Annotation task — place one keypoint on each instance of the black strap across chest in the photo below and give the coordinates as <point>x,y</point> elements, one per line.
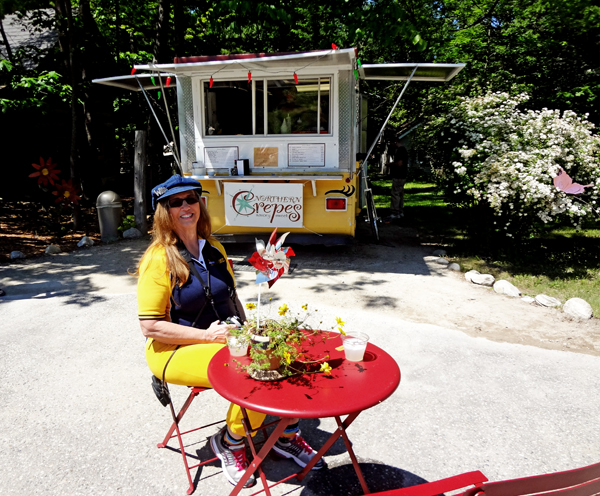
<point>208,257</point>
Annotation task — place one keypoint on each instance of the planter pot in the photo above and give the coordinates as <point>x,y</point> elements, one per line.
<point>261,342</point>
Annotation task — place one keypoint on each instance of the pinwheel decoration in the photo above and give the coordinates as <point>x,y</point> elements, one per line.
<point>271,261</point>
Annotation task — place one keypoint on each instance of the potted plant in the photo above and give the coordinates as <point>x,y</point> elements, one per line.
<point>277,346</point>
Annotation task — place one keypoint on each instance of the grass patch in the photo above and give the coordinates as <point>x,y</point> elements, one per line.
<point>564,264</point>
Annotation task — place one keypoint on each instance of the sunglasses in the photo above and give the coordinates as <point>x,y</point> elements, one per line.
<point>177,202</point>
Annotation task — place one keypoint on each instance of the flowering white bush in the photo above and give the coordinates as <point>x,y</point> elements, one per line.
<point>507,158</point>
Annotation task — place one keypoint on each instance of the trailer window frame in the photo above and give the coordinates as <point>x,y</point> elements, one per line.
<point>324,91</point>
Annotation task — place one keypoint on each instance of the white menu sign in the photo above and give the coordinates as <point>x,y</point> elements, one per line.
<point>263,205</point>
<point>220,157</point>
<point>306,154</point>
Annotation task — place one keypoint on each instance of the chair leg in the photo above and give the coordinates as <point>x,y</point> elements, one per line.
<point>178,434</point>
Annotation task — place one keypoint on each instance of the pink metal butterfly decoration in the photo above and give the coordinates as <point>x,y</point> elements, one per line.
<point>271,261</point>
<point>564,183</point>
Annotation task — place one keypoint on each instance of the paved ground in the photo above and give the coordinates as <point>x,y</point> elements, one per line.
<point>79,416</point>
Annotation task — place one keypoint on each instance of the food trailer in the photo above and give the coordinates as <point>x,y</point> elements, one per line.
<point>274,138</point>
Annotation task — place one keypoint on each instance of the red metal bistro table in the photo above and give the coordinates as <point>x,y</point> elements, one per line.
<point>351,388</point>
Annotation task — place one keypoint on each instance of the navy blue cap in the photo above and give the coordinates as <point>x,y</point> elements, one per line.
<point>175,184</point>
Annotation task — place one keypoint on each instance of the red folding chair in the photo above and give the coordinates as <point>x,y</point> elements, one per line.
<point>583,481</point>
<point>453,483</point>
<point>174,432</point>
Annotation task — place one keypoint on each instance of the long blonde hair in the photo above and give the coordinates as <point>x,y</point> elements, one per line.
<point>164,235</point>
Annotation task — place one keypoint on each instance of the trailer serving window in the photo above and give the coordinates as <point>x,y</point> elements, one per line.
<point>241,108</point>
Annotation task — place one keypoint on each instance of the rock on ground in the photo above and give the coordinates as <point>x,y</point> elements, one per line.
<point>52,250</point>
<point>132,233</point>
<point>547,301</point>
<point>85,241</point>
<point>578,308</point>
<point>483,279</point>
<point>15,255</point>
<point>505,287</point>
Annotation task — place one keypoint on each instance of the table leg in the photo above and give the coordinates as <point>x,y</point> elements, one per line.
<point>342,427</point>
<point>258,458</point>
<point>340,431</point>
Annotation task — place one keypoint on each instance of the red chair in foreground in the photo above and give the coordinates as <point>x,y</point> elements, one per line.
<point>583,481</point>
<point>174,432</point>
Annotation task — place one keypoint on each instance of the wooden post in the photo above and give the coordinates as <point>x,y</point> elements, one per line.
<point>139,186</point>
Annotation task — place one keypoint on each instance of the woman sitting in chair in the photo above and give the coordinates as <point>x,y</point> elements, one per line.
<point>183,265</point>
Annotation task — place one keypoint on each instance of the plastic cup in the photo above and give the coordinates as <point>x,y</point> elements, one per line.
<point>237,347</point>
<point>355,344</point>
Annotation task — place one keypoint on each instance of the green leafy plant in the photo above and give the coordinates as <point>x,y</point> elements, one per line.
<point>288,336</point>
<point>127,223</point>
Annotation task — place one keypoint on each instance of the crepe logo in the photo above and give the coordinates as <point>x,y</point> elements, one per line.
<point>247,203</point>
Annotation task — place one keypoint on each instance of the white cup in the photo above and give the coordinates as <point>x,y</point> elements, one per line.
<point>355,344</point>
<point>237,347</point>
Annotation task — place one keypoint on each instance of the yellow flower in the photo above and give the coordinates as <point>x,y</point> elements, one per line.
<point>341,331</point>
<point>325,368</point>
<point>250,306</point>
<point>305,307</point>
<point>283,309</point>
<point>339,322</point>
<point>288,357</point>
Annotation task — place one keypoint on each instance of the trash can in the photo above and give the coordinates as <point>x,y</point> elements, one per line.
<point>109,215</point>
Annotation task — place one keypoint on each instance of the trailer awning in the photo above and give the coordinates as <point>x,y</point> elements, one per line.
<point>148,81</point>
<point>295,61</point>
<point>401,72</point>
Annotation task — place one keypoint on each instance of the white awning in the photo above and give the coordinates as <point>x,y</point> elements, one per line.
<point>401,72</point>
<point>256,61</point>
<point>133,82</point>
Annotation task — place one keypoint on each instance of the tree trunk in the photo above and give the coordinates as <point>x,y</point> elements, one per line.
<point>161,47</point>
<point>179,22</point>
<point>139,186</point>
<point>66,43</point>
<point>6,43</point>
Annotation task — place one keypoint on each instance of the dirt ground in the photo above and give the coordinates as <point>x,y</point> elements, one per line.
<point>397,276</point>
<point>29,227</point>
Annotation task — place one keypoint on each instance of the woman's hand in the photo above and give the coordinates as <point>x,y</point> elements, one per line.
<point>218,333</point>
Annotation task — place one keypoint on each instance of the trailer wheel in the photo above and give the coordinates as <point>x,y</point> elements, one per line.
<point>372,213</point>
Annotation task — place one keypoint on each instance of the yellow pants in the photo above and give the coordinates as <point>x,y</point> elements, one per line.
<point>188,367</point>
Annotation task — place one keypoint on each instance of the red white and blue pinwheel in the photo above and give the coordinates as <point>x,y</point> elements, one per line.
<point>271,261</point>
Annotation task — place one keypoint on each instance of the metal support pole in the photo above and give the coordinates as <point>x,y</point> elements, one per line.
<point>159,125</point>
<point>389,115</point>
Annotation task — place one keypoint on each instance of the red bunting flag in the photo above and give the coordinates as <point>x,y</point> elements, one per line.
<point>210,82</point>
<point>168,81</point>
<point>249,76</point>
<point>296,77</point>
<point>133,69</point>
<point>334,46</point>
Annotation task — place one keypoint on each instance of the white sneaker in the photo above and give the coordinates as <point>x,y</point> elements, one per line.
<point>233,461</point>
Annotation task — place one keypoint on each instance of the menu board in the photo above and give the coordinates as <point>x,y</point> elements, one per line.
<point>266,156</point>
<point>306,154</point>
<point>220,157</point>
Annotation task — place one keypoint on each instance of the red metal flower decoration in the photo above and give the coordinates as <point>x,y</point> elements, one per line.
<point>66,193</point>
<point>46,172</point>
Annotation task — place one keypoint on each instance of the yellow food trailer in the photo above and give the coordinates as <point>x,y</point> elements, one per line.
<point>274,138</point>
